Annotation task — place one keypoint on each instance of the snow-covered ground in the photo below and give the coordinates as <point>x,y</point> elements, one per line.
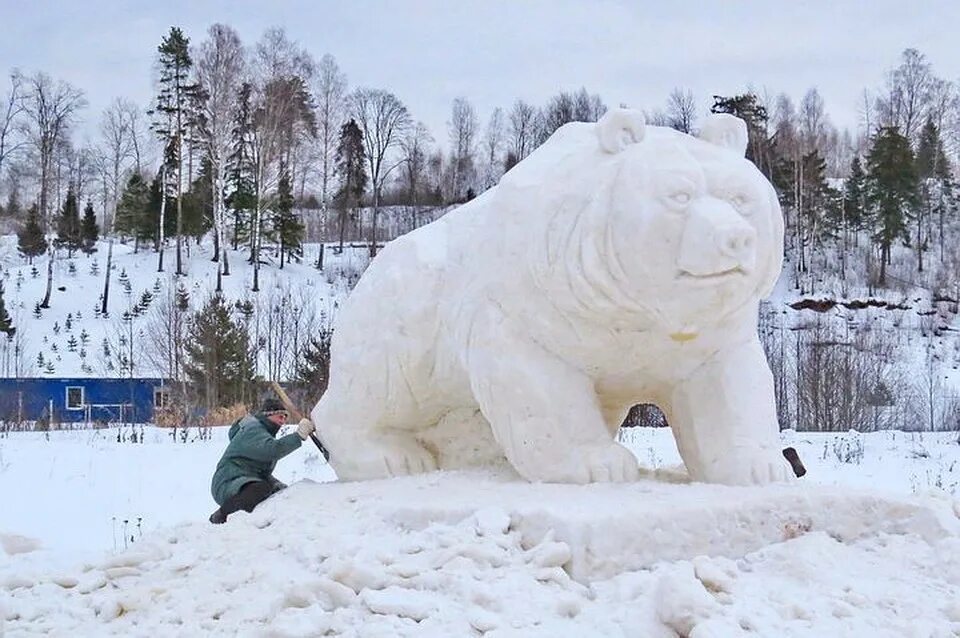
<point>108,537</point>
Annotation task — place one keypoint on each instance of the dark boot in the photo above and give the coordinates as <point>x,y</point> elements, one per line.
<point>249,496</point>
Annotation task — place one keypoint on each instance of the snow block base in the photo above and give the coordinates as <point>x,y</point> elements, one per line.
<point>612,529</point>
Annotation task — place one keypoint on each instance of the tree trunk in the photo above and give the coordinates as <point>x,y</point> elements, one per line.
<point>46,298</point>
<point>373,224</point>
<point>163,212</point>
<point>883,265</point>
<point>106,279</point>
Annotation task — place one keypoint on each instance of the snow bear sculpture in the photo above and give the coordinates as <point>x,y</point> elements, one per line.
<point>618,264</point>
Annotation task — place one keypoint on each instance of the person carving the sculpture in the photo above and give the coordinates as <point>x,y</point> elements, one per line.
<point>244,476</point>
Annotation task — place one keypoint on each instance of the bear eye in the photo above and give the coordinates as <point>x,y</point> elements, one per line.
<point>739,202</point>
<point>681,197</point>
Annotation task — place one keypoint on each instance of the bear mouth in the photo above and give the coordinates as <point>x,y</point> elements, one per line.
<point>724,275</point>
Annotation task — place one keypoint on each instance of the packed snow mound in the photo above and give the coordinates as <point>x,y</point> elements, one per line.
<point>476,553</point>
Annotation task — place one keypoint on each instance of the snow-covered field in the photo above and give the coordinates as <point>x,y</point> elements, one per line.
<point>102,537</point>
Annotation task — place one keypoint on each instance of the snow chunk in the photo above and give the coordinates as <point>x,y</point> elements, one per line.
<point>682,602</point>
<point>16,544</point>
<point>492,521</point>
<point>397,601</point>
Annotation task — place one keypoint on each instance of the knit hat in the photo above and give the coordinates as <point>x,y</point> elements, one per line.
<point>271,406</point>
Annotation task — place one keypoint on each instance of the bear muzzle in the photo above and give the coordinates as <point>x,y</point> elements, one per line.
<point>717,242</point>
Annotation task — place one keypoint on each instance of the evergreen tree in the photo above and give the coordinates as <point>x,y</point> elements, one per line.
<point>12,209</point>
<point>288,226</point>
<point>89,230</point>
<point>241,197</point>
<point>934,172</point>
<point>176,113</point>
<point>218,363</point>
<point>312,370</point>
<point>198,203</point>
<point>68,225</point>
<point>132,210</point>
<point>6,323</point>
<point>931,160</point>
<point>892,192</point>
<point>350,163</point>
<point>854,196</point>
<point>30,240</point>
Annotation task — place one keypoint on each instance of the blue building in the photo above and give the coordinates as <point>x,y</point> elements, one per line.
<point>81,400</point>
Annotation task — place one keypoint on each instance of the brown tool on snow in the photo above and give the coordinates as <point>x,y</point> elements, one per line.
<point>791,455</point>
<point>296,414</point>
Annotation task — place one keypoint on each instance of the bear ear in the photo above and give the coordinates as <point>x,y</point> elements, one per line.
<point>619,128</point>
<point>727,131</point>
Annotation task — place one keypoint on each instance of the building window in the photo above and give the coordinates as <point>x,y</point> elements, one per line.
<point>75,398</point>
<point>160,397</point>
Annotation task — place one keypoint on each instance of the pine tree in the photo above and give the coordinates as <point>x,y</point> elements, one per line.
<point>241,197</point>
<point>12,209</point>
<point>931,159</point>
<point>854,196</point>
<point>288,226</point>
<point>934,172</point>
<point>218,363</point>
<point>89,230</point>
<point>176,113</point>
<point>132,208</point>
<point>892,192</point>
<point>30,240</point>
<point>352,171</point>
<point>198,203</point>
<point>68,225</point>
<point>313,365</point>
<point>6,323</point>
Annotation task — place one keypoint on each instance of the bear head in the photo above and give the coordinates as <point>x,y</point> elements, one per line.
<point>694,229</point>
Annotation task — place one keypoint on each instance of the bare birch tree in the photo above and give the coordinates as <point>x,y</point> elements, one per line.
<point>11,108</point>
<point>462,131</point>
<point>219,69</point>
<point>523,119</point>
<point>329,92</point>
<point>114,151</point>
<point>682,110</point>
<point>907,94</point>
<point>282,120</point>
<point>493,142</point>
<point>383,119</point>
<point>50,108</point>
<point>415,147</point>
<point>812,121</point>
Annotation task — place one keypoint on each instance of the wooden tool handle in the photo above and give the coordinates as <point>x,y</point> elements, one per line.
<point>285,400</point>
<point>296,414</point>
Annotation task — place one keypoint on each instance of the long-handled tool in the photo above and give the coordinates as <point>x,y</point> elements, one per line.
<point>295,413</point>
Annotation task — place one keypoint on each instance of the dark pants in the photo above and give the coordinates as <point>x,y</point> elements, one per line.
<point>249,496</point>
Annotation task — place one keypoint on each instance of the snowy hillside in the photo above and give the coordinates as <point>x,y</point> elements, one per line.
<point>69,336</point>
<point>470,554</point>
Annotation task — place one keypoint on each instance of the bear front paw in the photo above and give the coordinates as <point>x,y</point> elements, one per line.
<point>388,459</point>
<point>611,463</point>
<point>748,466</point>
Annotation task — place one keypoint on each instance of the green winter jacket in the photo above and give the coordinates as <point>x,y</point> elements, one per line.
<point>251,455</point>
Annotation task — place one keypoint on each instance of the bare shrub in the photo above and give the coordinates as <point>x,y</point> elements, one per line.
<point>843,381</point>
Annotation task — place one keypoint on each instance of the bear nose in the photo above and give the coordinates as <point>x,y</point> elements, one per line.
<point>737,243</point>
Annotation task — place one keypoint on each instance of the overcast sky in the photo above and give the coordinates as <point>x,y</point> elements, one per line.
<point>428,52</point>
